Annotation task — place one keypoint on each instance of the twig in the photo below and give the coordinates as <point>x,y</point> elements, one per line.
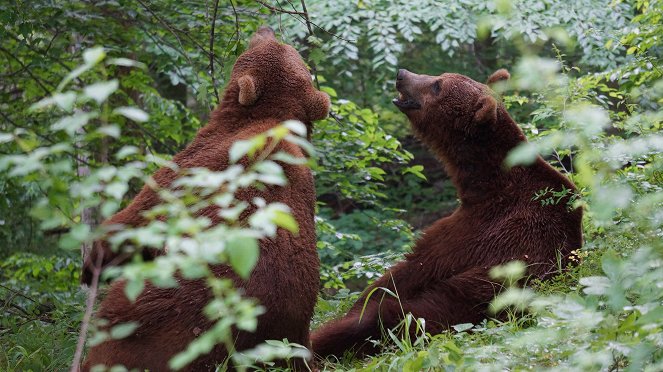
<point>236,33</point>
<point>311,34</point>
<point>211,51</point>
<point>158,41</point>
<point>24,313</point>
<point>19,293</point>
<point>559,161</point>
<point>43,53</point>
<point>174,31</point>
<point>280,10</point>
<point>41,85</point>
<point>140,128</point>
<point>321,28</point>
<point>91,297</point>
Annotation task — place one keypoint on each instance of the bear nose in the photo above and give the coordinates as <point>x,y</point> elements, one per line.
<point>401,74</point>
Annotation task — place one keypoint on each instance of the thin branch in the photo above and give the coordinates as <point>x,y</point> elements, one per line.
<point>159,40</point>
<point>41,85</point>
<point>307,21</point>
<point>91,297</point>
<point>280,10</point>
<point>175,31</point>
<point>236,32</point>
<point>21,311</point>
<point>19,293</point>
<point>311,34</point>
<point>42,53</point>
<point>321,28</point>
<point>211,51</point>
<point>164,23</point>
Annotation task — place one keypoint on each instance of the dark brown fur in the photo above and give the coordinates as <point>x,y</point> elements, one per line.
<point>445,279</point>
<point>286,278</point>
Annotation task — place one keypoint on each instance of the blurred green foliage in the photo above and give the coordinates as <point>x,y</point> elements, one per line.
<point>587,89</point>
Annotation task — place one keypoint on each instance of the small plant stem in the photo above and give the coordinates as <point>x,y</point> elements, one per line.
<point>91,297</point>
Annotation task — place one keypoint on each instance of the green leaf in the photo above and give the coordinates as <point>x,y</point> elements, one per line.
<point>239,149</point>
<point>132,113</point>
<point>243,252</point>
<point>126,151</point>
<point>288,159</point>
<point>463,327</point>
<point>376,173</point>
<point>611,264</point>
<point>123,330</point>
<point>296,127</point>
<point>65,100</point>
<point>416,170</point>
<point>110,130</point>
<point>303,143</point>
<point>247,147</point>
<point>286,221</point>
<point>511,271</point>
<point>595,285</point>
<point>117,190</point>
<point>100,91</point>
<point>126,62</point>
<point>524,154</point>
<point>332,93</point>
<point>133,288</point>
<point>91,57</point>
<point>71,124</point>
<point>94,55</point>
<point>80,232</point>
<point>6,137</point>
<point>73,75</point>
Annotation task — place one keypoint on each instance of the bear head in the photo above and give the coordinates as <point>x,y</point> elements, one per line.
<point>463,121</point>
<point>270,81</point>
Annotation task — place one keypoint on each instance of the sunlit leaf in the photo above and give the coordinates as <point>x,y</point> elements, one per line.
<point>133,288</point>
<point>243,253</point>
<point>94,55</point>
<point>100,91</point>
<point>123,330</point>
<point>286,221</point>
<point>132,113</point>
<point>523,154</point>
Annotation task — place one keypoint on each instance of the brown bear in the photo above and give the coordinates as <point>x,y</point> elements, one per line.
<point>269,84</point>
<point>445,279</point>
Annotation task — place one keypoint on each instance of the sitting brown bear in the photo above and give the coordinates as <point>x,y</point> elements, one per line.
<point>269,84</point>
<point>445,279</point>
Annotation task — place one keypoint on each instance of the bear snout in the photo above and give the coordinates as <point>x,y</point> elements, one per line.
<point>406,87</point>
<point>403,74</point>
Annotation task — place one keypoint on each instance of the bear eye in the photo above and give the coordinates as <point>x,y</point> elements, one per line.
<point>436,87</point>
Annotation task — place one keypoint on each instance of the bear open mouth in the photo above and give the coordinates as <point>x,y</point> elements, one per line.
<point>405,102</point>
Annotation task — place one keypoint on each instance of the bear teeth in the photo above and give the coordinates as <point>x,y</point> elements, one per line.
<point>401,97</point>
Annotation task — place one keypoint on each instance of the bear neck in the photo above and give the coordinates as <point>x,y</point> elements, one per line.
<point>479,175</point>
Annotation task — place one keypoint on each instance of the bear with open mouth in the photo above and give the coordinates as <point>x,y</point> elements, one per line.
<point>445,280</point>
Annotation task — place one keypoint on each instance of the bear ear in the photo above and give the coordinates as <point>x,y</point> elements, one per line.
<point>249,90</point>
<point>499,75</point>
<point>317,107</point>
<point>486,110</point>
<point>263,34</point>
